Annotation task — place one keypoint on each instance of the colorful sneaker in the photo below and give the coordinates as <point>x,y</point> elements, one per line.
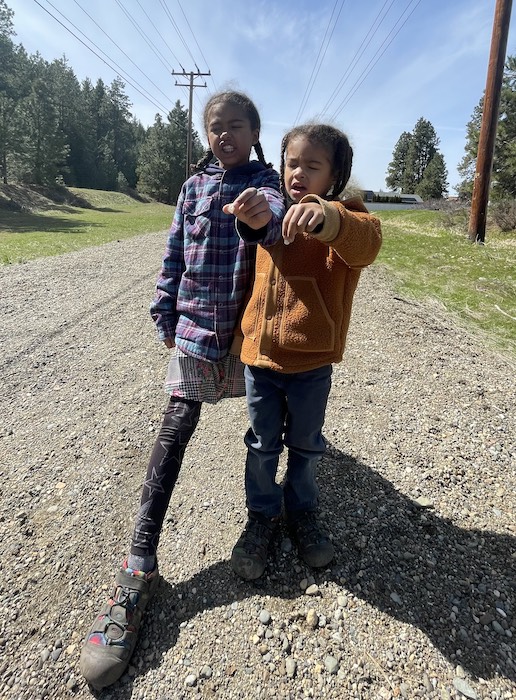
<point>112,637</point>
<point>249,556</point>
<point>313,545</point>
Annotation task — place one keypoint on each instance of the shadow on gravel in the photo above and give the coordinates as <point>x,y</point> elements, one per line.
<point>397,556</point>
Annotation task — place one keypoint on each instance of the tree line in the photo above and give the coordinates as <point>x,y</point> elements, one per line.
<point>54,128</point>
<point>417,166</point>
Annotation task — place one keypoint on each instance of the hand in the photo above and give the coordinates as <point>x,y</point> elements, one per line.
<point>301,217</point>
<point>251,207</point>
<point>169,343</point>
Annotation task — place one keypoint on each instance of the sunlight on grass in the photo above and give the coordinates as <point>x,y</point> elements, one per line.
<point>61,229</point>
<point>475,283</point>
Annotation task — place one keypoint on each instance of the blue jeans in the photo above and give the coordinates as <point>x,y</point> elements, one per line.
<point>284,410</point>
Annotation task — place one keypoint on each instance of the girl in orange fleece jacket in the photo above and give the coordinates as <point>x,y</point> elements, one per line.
<point>294,328</point>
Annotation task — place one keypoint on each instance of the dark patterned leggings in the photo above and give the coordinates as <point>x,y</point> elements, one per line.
<point>179,423</point>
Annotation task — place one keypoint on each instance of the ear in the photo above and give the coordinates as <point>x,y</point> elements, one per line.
<point>256,136</point>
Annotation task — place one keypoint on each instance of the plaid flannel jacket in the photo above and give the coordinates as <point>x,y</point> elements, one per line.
<point>207,268</point>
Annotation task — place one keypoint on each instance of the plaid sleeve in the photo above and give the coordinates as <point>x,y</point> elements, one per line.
<point>163,306</point>
<point>270,234</point>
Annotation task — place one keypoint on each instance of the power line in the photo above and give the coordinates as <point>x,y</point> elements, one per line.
<point>197,43</point>
<point>191,85</point>
<point>358,54</point>
<point>146,39</point>
<point>147,96</point>
<point>376,56</point>
<point>178,31</point>
<point>316,68</point>
<point>158,32</point>
<point>144,36</point>
<point>122,51</point>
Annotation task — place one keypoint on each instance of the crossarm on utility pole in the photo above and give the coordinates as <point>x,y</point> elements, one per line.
<point>191,85</point>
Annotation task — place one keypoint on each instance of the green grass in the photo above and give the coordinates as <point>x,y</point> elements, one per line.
<point>427,253</point>
<point>61,228</point>
<point>431,258</point>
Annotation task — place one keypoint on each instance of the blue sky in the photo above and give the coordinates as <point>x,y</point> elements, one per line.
<point>372,69</point>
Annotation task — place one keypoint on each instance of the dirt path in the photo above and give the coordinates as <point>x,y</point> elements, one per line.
<point>418,488</point>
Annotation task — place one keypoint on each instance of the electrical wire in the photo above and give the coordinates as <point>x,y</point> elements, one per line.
<point>147,96</point>
<point>144,36</point>
<point>318,63</point>
<point>122,51</point>
<point>158,33</point>
<point>178,31</point>
<point>376,56</point>
<point>197,43</point>
<point>358,55</point>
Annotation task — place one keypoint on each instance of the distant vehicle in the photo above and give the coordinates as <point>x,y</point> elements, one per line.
<point>410,199</point>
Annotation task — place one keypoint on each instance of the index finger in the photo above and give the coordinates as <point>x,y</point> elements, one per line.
<point>245,196</point>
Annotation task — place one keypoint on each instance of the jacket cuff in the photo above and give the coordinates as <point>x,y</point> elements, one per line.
<point>331,224</point>
<point>248,234</point>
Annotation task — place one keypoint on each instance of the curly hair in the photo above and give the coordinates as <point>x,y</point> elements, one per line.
<point>337,145</point>
<point>247,105</point>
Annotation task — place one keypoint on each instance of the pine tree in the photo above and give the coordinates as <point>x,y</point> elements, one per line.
<point>503,178</point>
<point>399,164</point>
<point>434,183</point>
<point>161,165</point>
<point>412,156</point>
<point>46,151</point>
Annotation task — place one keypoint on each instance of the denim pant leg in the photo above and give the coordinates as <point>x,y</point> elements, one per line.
<point>307,398</point>
<point>267,408</point>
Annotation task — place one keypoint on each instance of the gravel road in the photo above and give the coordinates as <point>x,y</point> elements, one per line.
<point>417,487</point>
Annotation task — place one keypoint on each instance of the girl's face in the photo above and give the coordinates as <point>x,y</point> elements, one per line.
<point>230,134</point>
<point>308,169</point>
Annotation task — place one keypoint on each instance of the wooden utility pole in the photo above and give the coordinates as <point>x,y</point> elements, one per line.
<point>190,85</point>
<point>490,116</point>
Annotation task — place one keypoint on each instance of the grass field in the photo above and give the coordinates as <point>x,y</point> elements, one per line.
<point>427,253</point>
<point>53,228</point>
<point>431,257</point>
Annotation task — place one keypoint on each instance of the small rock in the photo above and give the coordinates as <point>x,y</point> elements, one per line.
<point>331,664</point>
<point>464,688</point>
<point>190,680</point>
<point>312,590</point>
<point>424,502</point>
<point>312,618</point>
<point>291,667</point>
<point>265,617</point>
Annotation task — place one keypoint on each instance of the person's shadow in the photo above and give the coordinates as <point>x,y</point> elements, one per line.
<point>456,585</point>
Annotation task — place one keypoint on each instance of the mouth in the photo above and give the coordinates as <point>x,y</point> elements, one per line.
<point>228,148</point>
<point>297,191</point>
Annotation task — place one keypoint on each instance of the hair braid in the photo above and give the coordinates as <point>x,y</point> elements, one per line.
<point>284,143</point>
<point>203,162</point>
<point>259,152</point>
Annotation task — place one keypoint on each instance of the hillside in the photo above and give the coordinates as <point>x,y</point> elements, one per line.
<point>32,198</point>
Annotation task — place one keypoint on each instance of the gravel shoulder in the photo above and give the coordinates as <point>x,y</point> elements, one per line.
<point>417,487</point>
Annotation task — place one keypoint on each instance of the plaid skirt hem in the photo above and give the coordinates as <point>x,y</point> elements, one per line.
<point>199,380</point>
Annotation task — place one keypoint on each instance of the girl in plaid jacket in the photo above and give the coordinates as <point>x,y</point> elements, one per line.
<point>207,270</point>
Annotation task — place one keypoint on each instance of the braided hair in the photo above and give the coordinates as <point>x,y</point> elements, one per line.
<point>247,105</point>
<point>337,145</point>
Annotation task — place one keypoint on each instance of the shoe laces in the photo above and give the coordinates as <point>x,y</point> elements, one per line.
<point>308,529</point>
<point>257,535</point>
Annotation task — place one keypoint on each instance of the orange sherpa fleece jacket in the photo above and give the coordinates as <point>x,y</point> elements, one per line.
<point>298,315</point>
